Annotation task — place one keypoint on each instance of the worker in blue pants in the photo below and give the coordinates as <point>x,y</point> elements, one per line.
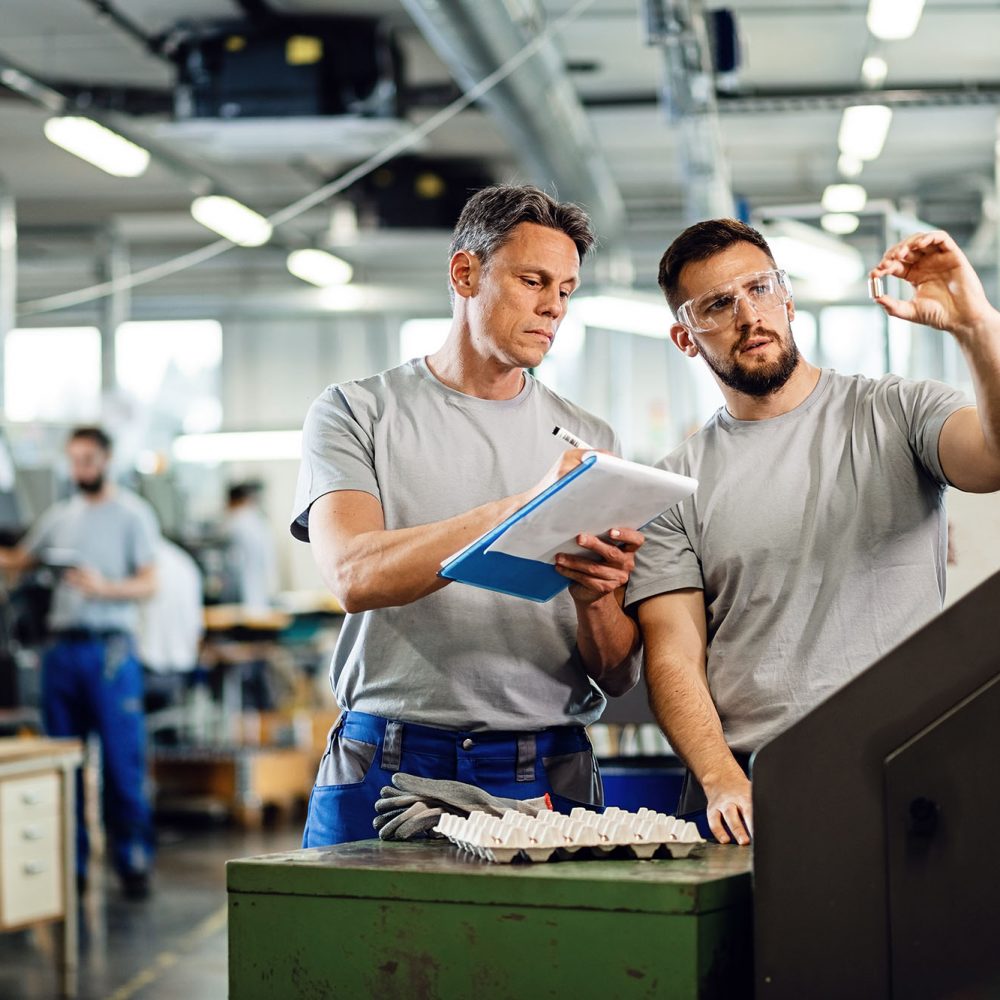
<point>93,683</point>
<point>102,542</point>
<point>401,470</point>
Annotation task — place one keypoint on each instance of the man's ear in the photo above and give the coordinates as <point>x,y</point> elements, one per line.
<point>790,307</point>
<point>463,272</point>
<point>683,340</point>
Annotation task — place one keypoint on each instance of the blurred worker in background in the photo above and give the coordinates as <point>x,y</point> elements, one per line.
<point>102,541</point>
<point>251,558</point>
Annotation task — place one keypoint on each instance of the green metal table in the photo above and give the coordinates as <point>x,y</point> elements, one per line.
<point>384,920</point>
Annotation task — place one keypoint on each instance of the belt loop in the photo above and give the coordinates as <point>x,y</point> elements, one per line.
<point>526,754</point>
<point>392,746</point>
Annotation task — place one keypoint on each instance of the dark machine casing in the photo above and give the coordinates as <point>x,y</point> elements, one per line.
<point>877,818</point>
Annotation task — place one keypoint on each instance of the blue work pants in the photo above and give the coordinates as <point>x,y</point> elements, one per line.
<point>94,683</point>
<point>364,751</point>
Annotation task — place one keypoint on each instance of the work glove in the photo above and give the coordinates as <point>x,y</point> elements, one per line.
<point>411,805</point>
<point>418,820</point>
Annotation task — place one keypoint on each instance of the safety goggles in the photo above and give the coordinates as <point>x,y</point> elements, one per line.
<point>714,310</point>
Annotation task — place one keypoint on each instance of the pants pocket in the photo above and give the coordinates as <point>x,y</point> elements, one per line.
<point>575,776</point>
<point>346,761</point>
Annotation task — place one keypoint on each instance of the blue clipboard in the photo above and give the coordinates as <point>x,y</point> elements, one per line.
<point>507,574</point>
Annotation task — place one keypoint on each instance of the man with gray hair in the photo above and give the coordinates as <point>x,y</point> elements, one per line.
<point>402,469</point>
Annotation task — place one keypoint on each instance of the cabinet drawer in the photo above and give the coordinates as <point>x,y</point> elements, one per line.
<point>29,799</point>
<point>30,835</point>
<point>30,882</point>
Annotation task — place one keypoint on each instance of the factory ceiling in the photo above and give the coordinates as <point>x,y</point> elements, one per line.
<point>650,112</point>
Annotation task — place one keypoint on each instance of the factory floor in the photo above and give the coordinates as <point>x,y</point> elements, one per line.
<point>171,946</point>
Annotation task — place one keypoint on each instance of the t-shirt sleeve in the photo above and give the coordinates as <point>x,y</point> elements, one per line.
<point>338,453</point>
<point>924,408</point>
<point>666,561</point>
<point>145,537</point>
<point>40,533</point>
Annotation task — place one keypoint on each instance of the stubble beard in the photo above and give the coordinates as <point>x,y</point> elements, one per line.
<point>761,380</point>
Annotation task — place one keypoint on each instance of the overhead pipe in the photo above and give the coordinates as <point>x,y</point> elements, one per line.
<point>678,28</point>
<point>537,107</point>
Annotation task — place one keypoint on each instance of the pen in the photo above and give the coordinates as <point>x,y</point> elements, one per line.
<point>570,439</point>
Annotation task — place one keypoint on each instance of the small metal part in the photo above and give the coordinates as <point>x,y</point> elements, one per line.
<point>876,287</point>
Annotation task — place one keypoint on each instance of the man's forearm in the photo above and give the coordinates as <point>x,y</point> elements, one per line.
<point>385,568</point>
<point>682,705</point>
<point>981,349</point>
<point>15,559</point>
<point>609,643</point>
<point>133,588</point>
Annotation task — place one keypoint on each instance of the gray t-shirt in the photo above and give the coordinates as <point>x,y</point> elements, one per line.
<point>117,537</point>
<point>818,537</point>
<point>461,658</point>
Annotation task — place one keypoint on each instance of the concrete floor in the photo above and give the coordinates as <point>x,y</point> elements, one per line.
<point>169,947</point>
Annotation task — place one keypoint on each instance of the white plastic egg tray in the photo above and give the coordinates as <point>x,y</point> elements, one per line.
<point>583,833</point>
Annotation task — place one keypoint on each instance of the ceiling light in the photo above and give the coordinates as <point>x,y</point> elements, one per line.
<point>894,19</point>
<point>844,198</point>
<point>839,223</point>
<point>863,129</point>
<point>319,267</point>
<point>849,166</point>
<point>98,145</point>
<point>230,218</point>
<point>874,70</point>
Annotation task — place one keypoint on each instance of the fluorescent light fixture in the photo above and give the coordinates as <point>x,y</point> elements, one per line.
<point>874,70</point>
<point>894,19</point>
<point>839,223</point>
<point>863,129</point>
<point>230,218</point>
<point>626,313</point>
<point>844,198</point>
<point>319,268</point>
<point>98,145</point>
<point>849,166</point>
<point>828,264</point>
<point>238,446</point>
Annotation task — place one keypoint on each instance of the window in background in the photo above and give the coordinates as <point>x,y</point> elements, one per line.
<point>853,340</point>
<point>53,374</point>
<point>804,331</point>
<point>420,337</point>
<point>173,367</point>
<point>561,368</point>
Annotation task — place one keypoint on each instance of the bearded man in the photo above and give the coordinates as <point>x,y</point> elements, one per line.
<point>816,540</point>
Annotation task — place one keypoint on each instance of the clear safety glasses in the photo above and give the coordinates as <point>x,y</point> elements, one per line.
<point>715,310</point>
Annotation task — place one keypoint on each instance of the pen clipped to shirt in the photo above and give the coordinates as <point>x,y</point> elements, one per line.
<point>571,439</point>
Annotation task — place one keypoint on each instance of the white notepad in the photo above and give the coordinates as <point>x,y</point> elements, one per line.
<point>610,493</point>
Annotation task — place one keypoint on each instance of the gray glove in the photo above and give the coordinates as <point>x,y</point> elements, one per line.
<point>452,796</point>
<point>418,820</point>
<point>411,806</point>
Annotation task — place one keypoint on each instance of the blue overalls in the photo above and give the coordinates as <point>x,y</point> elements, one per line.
<point>364,751</point>
<point>92,681</point>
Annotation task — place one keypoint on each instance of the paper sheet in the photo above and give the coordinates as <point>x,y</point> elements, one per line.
<point>612,493</point>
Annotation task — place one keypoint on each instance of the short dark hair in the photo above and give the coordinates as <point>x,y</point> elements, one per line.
<point>491,215</point>
<point>699,242</point>
<point>238,492</point>
<point>93,434</point>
